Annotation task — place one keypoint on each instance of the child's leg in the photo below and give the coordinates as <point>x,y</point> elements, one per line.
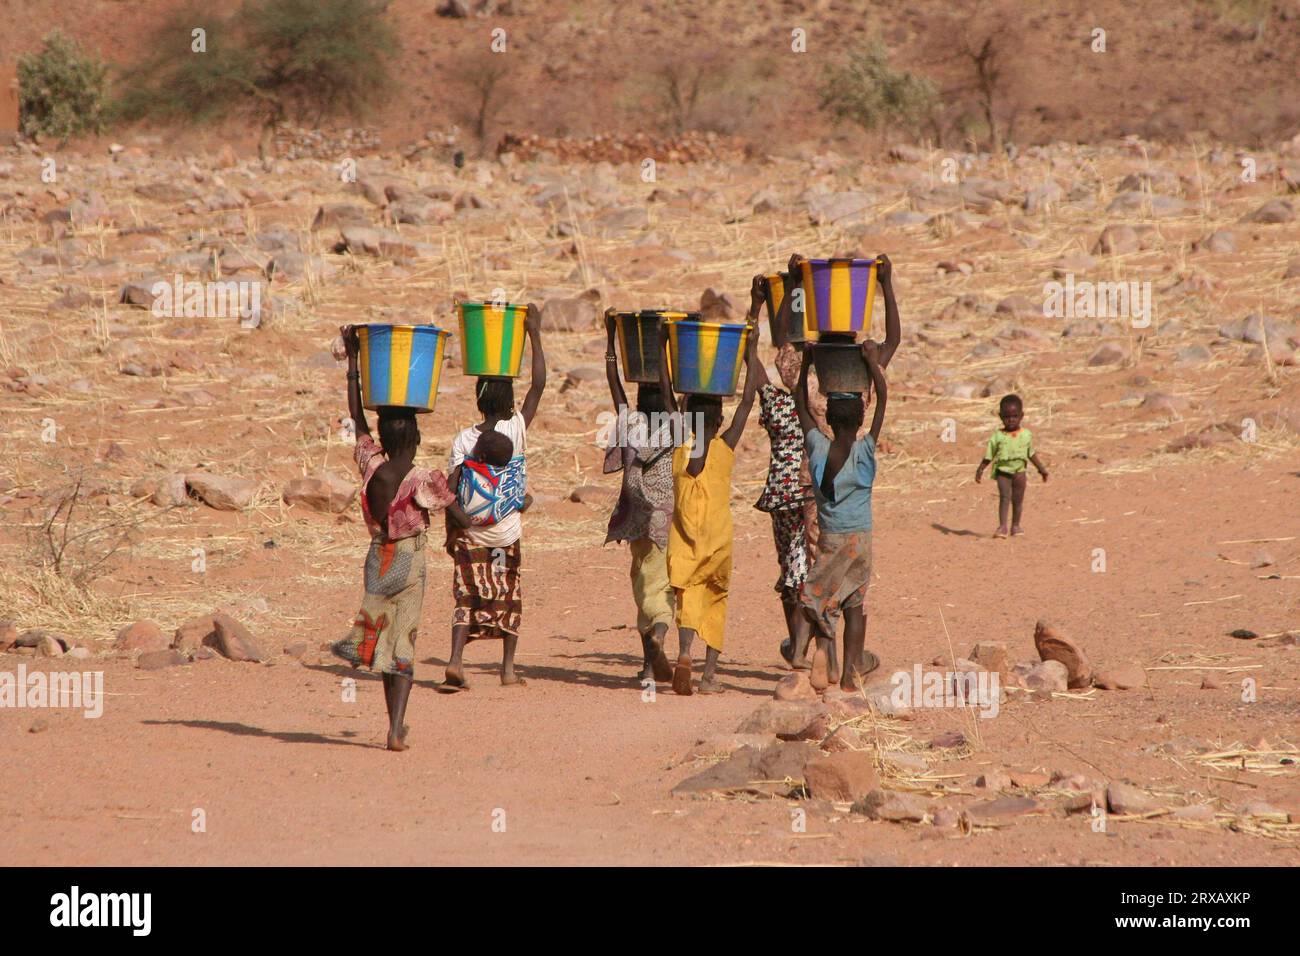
<point>682,673</point>
<point>1018,484</point>
<point>855,633</point>
<point>1004,502</point>
<point>508,675</point>
<point>455,668</point>
<point>397,690</point>
<point>708,680</point>
<point>796,624</point>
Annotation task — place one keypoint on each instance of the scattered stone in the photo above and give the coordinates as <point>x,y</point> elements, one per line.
<point>724,745</point>
<point>1126,798</point>
<point>588,494</point>
<point>995,779</point>
<point>1048,677</point>
<point>778,767</point>
<point>1121,677</point>
<point>1052,646</point>
<point>1243,634</point>
<point>946,819</point>
<point>1273,211</point>
<point>141,636</point>
<point>221,492</point>
<point>948,739</point>
<point>894,806</point>
<point>157,660</point>
<point>1209,682</point>
<point>992,812</point>
<point>321,492</point>
<point>1262,559</point>
<point>784,718</point>
<point>1108,353</point>
<point>795,686</point>
<point>841,777</point>
<point>1029,779</point>
<point>296,649</point>
<point>50,646</point>
<point>843,737</point>
<point>39,726</point>
<point>991,656</point>
<point>1221,240</point>
<point>232,640</point>
<point>576,314</point>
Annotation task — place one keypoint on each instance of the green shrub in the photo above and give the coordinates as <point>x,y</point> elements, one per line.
<point>867,91</point>
<point>274,60</point>
<point>61,90</point>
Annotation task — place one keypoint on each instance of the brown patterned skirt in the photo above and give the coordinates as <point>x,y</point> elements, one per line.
<point>485,584</point>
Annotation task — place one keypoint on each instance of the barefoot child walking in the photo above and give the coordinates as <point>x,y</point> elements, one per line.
<point>1008,451</point>
<point>699,542</point>
<point>843,471</point>
<point>396,499</point>
<point>642,449</point>
<point>486,557</point>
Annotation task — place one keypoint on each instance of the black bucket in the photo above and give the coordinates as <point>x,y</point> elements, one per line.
<point>638,341</point>
<point>840,365</point>
<point>777,287</point>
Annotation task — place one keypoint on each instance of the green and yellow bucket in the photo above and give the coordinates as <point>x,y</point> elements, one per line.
<point>491,338</point>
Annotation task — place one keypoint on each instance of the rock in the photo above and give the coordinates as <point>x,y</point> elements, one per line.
<point>296,649</point>
<point>576,314</point>
<point>991,656</point>
<point>1029,779</point>
<point>232,640</point>
<point>39,726</point>
<point>1243,634</point>
<point>1121,240</point>
<point>995,779</point>
<point>1052,646</point>
<point>157,660</point>
<point>991,812</point>
<point>1073,264</point>
<point>1192,355</point>
<point>588,494</point>
<point>841,777</point>
<point>946,819</point>
<point>1221,240</point>
<point>321,492</point>
<point>1126,798</point>
<point>843,737</point>
<point>1273,211</point>
<point>49,646</point>
<point>170,492</point>
<point>1048,677</point>
<point>1262,559</point>
<point>332,215</point>
<point>894,806</point>
<point>190,636</point>
<point>141,636</point>
<point>1108,353</point>
<point>726,744</point>
<point>8,635</point>
<point>1209,682</point>
<point>838,207</point>
<point>795,686</point>
<point>221,492</point>
<point>781,717</point>
<point>774,768</point>
<point>1121,677</point>
<point>1084,801</point>
<point>1018,306</point>
<point>947,739</point>
<point>716,307</point>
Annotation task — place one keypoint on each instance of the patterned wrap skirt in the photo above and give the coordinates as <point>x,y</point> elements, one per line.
<point>485,584</point>
<point>383,635</point>
<point>790,535</point>
<point>838,579</point>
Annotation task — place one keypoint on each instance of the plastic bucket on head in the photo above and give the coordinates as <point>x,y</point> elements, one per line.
<point>705,357</point>
<point>838,294</point>
<point>638,340</point>
<point>778,286</point>
<point>400,365</point>
<point>491,338</point>
<point>840,365</point>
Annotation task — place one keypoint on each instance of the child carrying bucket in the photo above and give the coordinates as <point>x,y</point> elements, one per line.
<point>700,539</point>
<point>843,471</point>
<point>642,450</point>
<point>396,499</point>
<point>788,493</point>
<point>486,559</point>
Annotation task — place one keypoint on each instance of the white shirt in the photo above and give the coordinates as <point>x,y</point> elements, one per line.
<point>505,532</point>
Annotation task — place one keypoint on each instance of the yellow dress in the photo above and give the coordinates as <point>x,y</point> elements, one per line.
<point>699,541</point>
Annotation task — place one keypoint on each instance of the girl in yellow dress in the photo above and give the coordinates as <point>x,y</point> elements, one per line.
<point>699,541</point>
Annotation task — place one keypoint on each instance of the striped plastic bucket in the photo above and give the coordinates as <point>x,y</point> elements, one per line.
<point>778,286</point>
<point>638,340</point>
<point>491,338</point>
<point>838,294</point>
<point>400,365</point>
<point>705,357</point>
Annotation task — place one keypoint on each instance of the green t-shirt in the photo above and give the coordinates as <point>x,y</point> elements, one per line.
<point>1010,451</point>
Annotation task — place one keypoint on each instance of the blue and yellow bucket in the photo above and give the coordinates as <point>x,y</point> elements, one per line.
<point>705,357</point>
<point>838,294</point>
<point>400,365</point>
<point>491,338</point>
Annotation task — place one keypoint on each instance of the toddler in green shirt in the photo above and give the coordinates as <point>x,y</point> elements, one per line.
<point>1010,451</point>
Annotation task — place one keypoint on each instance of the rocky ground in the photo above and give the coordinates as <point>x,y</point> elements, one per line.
<point>180,514</point>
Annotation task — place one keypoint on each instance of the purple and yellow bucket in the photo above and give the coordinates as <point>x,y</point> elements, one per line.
<point>705,357</point>
<point>491,338</point>
<point>777,287</point>
<point>838,294</point>
<point>638,340</point>
<point>400,365</point>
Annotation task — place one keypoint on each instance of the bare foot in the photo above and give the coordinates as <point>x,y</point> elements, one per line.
<point>455,677</point>
<point>820,676</point>
<point>833,671</point>
<point>682,676</point>
<point>711,687</point>
<point>662,670</point>
<point>1001,532</point>
<point>396,743</point>
<point>513,680</point>
<point>1016,530</point>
